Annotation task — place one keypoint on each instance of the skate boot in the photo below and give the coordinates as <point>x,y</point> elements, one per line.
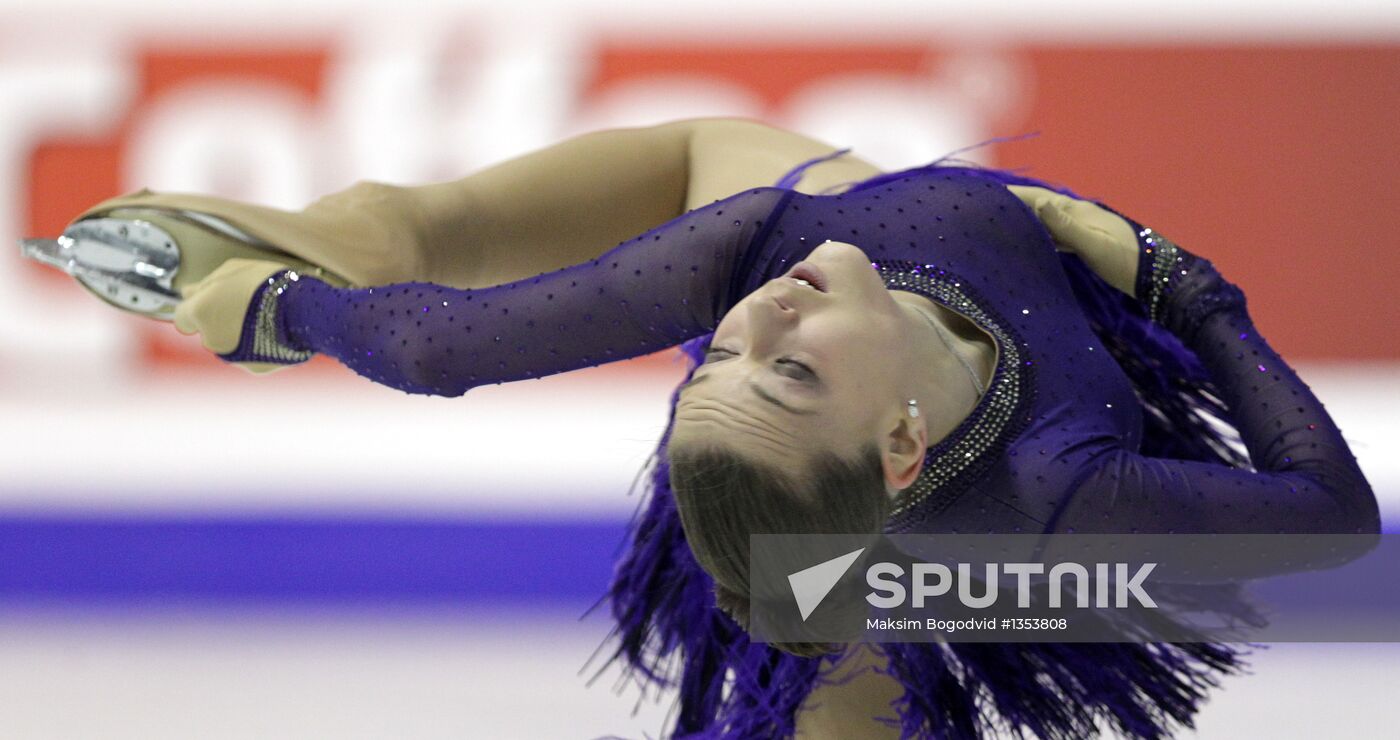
<point>138,255</point>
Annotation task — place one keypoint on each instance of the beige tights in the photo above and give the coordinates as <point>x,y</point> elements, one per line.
<point>572,201</point>
<point>548,209</point>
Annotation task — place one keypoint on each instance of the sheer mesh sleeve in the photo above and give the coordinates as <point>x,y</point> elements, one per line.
<point>654,291</point>
<point>1306,479</point>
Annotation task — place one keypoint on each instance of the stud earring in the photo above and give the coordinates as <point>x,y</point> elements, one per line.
<point>914,408</point>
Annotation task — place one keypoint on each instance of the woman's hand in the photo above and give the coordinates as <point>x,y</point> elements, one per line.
<point>217,306</point>
<point>1106,243</point>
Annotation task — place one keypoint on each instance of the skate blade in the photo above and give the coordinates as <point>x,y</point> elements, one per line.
<point>130,264</point>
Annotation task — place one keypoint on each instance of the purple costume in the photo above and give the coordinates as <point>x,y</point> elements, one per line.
<point>1091,424</point>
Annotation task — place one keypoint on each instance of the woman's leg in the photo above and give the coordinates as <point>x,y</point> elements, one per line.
<point>570,202</point>
<point>551,208</point>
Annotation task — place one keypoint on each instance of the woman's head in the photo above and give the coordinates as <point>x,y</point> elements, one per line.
<point>798,421</point>
<point>795,372</point>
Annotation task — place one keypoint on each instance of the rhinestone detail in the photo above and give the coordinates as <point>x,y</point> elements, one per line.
<point>1165,256</point>
<point>266,346</point>
<point>970,447</point>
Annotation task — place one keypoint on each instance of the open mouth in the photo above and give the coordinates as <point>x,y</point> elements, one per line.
<point>809,275</point>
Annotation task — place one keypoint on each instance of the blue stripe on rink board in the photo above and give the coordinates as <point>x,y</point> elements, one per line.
<point>331,560</point>
<point>309,560</point>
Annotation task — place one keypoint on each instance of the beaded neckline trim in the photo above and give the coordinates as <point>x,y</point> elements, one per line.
<point>970,447</point>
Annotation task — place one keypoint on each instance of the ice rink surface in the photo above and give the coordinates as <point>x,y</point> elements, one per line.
<point>502,674</point>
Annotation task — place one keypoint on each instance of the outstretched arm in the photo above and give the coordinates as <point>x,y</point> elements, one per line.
<point>653,291</point>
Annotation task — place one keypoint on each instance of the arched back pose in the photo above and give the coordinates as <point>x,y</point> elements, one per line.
<point>913,354</point>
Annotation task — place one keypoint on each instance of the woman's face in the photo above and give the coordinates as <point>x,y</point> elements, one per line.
<point>795,370</point>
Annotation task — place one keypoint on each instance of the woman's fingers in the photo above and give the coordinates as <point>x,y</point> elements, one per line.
<point>1029,194</point>
<point>216,306</point>
<point>184,317</point>
<point>199,314</point>
<point>1077,224</point>
<point>1103,239</point>
<point>1088,219</point>
<point>1073,224</point>
<point>219,316</point>
<point>1044,204</point>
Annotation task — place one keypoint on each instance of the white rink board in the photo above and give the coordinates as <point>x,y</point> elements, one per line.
<point>289,443</point>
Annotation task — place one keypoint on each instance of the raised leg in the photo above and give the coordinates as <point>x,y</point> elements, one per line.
<point>574,200</point>
<point>551,208</point>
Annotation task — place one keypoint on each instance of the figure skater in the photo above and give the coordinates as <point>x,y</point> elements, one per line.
<point>941,349</point>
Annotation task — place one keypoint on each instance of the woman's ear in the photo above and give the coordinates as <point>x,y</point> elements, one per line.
<point>902,456</point>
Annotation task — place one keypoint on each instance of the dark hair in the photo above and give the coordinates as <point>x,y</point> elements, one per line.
<point>723,497</point>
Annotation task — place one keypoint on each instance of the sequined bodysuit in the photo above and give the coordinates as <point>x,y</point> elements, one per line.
<point>1053,446</point>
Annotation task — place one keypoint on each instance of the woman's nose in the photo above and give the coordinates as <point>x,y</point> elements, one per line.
<point>769,317</point>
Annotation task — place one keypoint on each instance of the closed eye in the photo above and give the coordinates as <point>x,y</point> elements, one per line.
<point>795,369</point>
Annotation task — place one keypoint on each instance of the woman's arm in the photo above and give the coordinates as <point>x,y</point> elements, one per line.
<point>653,291</point>
<point>1306,479</point>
